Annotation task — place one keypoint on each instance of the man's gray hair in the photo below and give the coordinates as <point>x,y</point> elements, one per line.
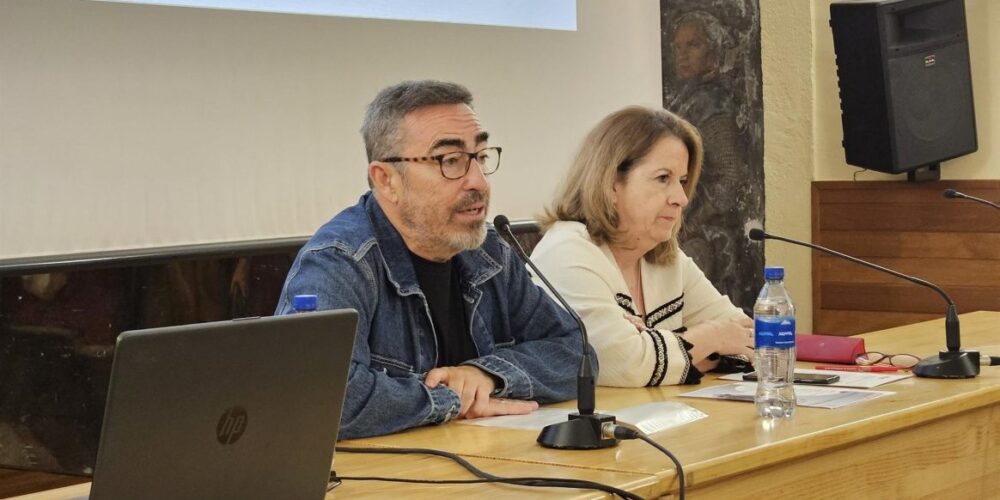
<point>384,116</point>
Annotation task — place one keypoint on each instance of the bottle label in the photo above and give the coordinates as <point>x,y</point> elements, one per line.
<point>774,331</point>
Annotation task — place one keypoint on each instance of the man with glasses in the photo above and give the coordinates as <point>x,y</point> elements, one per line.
<point>450,324</point>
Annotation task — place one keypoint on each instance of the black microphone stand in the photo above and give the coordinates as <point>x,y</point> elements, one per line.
<point>585,430</point>
<point>953,363</point>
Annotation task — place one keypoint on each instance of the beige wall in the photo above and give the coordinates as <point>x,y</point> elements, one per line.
<point>128,126</point>
<point>786,57</point>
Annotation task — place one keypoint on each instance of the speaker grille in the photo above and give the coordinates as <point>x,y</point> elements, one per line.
<point>905,82</point>
<point>932,110</point>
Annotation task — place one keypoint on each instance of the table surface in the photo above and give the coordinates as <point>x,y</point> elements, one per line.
<point>729,442</point>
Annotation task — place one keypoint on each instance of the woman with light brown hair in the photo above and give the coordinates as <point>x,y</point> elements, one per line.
<point>610,247</point>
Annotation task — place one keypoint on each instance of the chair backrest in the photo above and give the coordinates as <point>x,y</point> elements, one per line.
<point>527,232</point>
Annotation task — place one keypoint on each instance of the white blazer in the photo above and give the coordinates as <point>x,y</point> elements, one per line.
<point>676,294</point>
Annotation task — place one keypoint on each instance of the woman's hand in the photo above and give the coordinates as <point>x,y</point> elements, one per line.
<point>636,321</point>
<point>719,336</point>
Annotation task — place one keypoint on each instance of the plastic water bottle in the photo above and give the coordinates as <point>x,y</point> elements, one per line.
<point>774,347</point>
<point>304,303</point>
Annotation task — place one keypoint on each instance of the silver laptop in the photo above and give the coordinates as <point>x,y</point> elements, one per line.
<point>247,409</point>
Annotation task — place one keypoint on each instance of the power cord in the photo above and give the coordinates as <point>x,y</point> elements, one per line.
<point>610,429</point>
<point>622,432</point>
<point>484,477</point>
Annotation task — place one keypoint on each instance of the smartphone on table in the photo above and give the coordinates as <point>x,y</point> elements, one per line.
<point>802,378</point>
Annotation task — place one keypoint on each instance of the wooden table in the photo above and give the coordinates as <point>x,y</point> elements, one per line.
<point>934,438</point>
<point>426,467</point>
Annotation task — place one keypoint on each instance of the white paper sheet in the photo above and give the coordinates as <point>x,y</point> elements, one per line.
<point>649,417</point>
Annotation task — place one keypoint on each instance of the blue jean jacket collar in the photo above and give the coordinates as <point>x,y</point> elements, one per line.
<point>475,266</point>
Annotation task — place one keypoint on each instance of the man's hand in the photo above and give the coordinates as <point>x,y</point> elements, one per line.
<point>501,406</point>
<point>472,385</point>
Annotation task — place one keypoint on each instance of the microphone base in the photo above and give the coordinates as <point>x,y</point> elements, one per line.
<point>949,364</point>
<point>580,432</point>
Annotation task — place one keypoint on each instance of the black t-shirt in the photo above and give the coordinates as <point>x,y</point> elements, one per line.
<point>440,284</point>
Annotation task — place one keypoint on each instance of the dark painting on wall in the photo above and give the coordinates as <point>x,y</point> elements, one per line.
<point>712,77</point>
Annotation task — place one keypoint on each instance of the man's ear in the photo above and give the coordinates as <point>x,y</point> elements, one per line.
<point>385,180</point>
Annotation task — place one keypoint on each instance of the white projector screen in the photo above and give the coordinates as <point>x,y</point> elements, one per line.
<point>549,14</point>
<point>133,126</point>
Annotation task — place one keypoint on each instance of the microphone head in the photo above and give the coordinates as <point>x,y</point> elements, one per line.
<point>757,234</point>
<point>501,223</point>
<point>951,193</point>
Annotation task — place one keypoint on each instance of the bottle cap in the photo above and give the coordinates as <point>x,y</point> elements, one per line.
<point>304,303</point>
<point>774,273</point>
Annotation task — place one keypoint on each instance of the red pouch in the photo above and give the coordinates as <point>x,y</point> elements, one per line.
<point>828,348</point>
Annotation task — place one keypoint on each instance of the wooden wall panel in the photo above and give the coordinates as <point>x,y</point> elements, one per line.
<point>906,217</point>
<point>909,227</point>
<point>942,271</point>
<point>904,297</point>
<point>931,245</point>
<point>834,322</point>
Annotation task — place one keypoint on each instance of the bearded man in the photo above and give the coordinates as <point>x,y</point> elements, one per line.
<point>450,324</point>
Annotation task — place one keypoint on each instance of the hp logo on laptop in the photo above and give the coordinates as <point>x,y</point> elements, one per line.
<point>231,425</point>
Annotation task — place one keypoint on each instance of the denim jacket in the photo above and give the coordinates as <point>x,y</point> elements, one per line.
<point>358,260</point>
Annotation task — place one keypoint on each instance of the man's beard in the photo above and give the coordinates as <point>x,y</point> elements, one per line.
<point>432,230</point>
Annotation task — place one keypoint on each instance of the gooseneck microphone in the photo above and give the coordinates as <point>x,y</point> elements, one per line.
<point>584,429</point>
<point>951,193</point>
<point>953,363</point>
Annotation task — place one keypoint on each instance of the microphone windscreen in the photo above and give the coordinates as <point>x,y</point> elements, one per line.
<point>951,193</point>
<point>757,234</point>
<point>501,223</point>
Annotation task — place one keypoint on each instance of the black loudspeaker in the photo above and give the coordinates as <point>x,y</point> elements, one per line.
<point>905,82</point>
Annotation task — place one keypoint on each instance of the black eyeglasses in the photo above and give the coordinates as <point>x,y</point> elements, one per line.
<point>897,360</point>
<point>456,164</point>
